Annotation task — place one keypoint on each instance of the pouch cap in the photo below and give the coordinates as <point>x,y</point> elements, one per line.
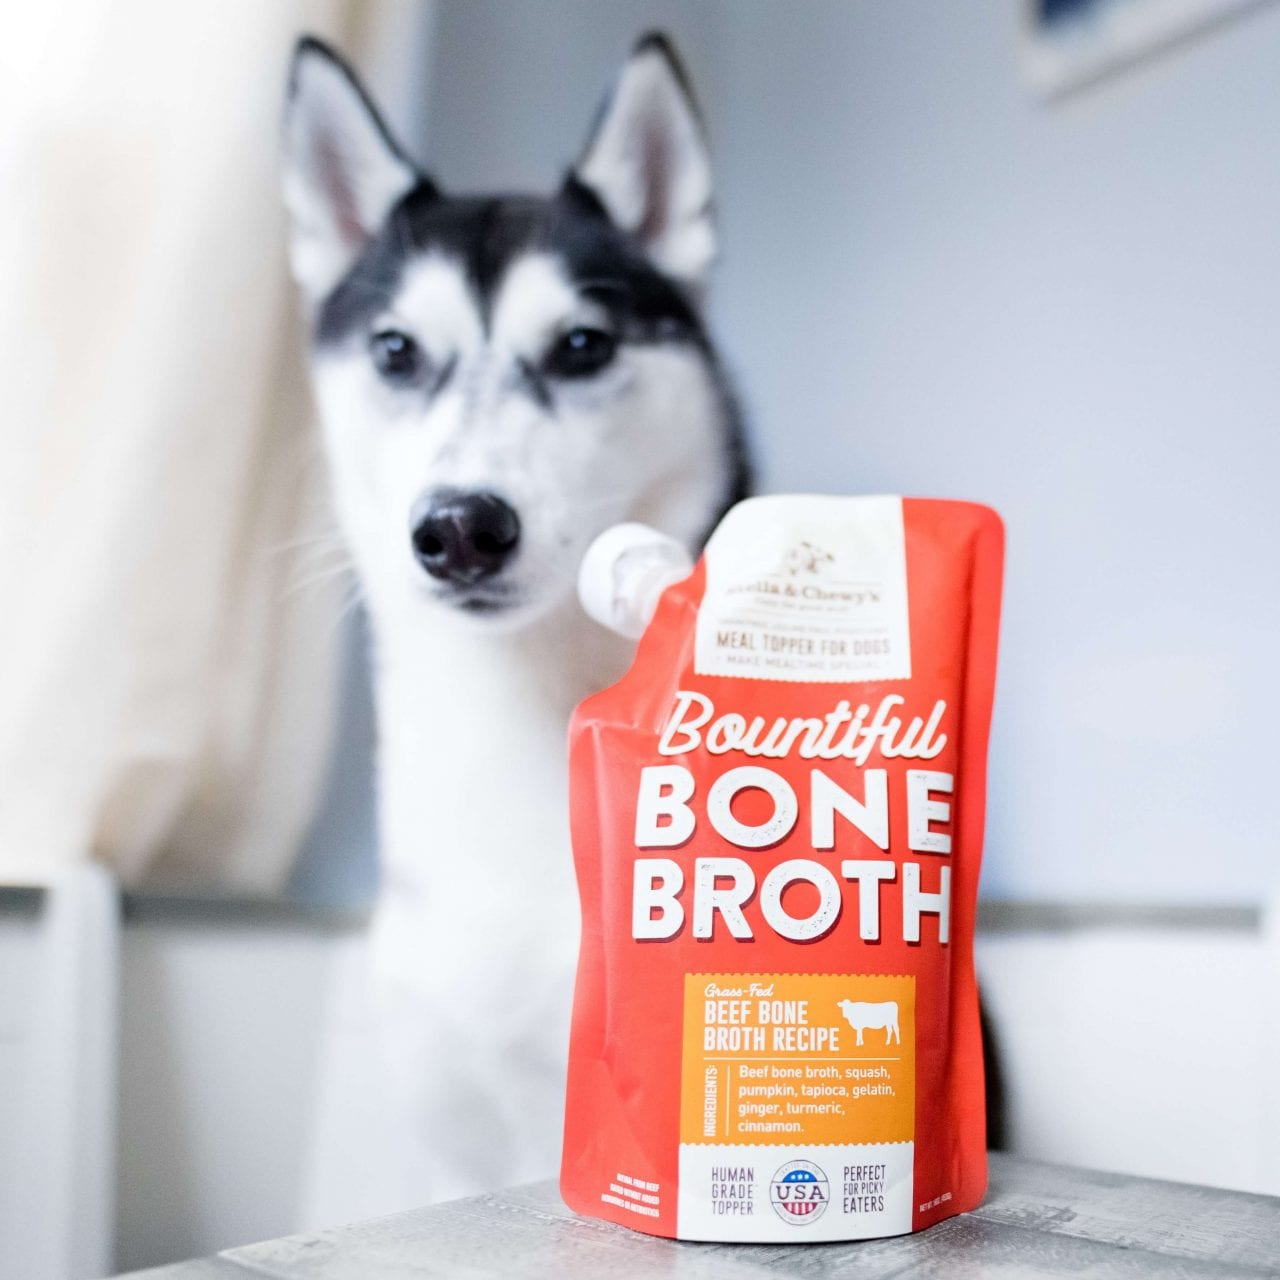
<point>624,573</point>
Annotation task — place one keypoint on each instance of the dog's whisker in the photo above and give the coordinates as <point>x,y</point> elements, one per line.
<point>320,559</point>
<point>352,599</point>
<point>309,542</point>
<point>306,546</point>
<point>309,582</point>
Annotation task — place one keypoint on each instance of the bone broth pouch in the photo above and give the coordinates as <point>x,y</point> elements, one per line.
<point>777,826</point>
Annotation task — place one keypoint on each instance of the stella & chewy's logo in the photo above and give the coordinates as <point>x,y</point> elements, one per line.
<point>807,573</point>
<point>799,1192</point>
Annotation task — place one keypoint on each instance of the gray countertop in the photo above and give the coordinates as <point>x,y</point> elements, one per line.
<point>1037,1220</point>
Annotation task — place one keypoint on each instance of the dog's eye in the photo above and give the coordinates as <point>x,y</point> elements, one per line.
<point>580,352</point>
<point>397,357</point>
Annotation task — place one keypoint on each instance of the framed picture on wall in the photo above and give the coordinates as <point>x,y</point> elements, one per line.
<point>1067,44</point>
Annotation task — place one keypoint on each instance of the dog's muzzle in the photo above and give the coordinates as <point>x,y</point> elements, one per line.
<point>461,537</point>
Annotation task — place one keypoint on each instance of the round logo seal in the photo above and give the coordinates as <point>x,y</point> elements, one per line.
<point>799,1192</point>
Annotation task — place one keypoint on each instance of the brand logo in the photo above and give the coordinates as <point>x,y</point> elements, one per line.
<point>807,574</point>
<point>807,557</point>
<point>799,1192</point>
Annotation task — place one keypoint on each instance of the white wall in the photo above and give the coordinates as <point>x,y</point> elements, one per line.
<point>1145,1051</point>
<point>1070,312</point>
<point>516,88</point>
<point>221,1026</point>
<point>935,283</point>
<point>59,982</point>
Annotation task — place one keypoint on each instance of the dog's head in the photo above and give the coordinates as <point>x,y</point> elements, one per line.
<point>500,378</point>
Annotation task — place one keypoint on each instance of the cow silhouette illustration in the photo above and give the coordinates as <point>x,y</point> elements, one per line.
<point>873,1015</point>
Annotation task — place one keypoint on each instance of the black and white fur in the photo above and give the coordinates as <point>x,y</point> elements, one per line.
<point>499,378</point>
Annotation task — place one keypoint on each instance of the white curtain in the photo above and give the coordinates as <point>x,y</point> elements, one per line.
<point>168,623</point>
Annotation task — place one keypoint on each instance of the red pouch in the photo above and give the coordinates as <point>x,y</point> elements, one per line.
<point>777,826</point>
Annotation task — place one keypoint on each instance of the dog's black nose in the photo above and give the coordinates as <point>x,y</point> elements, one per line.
<point>462,537</point>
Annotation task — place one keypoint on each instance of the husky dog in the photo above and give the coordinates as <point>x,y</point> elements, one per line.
<point>499,379</point>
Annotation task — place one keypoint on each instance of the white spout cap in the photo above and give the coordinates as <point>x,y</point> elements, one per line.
<point>624,573</point>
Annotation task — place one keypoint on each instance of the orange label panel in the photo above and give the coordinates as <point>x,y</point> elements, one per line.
<point>791,1058</point>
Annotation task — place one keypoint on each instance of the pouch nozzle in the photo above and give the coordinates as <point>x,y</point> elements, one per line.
<point>625,571</point>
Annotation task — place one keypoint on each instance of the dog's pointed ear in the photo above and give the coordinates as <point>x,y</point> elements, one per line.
<point>647,163</point>
<point>342,169</point>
